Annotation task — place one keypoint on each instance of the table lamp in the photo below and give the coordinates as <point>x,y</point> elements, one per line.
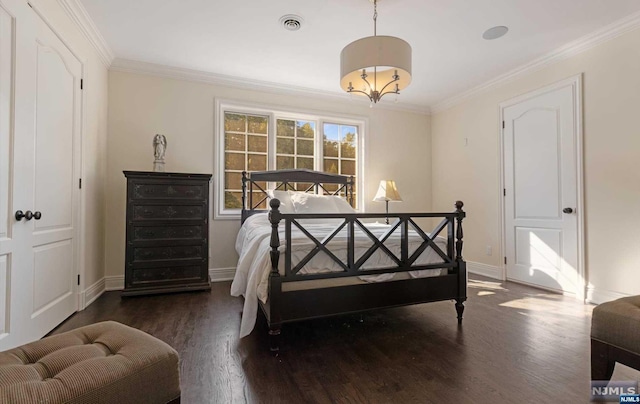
<point>387,192</point>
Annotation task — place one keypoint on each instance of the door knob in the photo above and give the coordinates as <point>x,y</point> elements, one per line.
<point>567,210</point>
<point>27,215</point>
<point>37,215</point>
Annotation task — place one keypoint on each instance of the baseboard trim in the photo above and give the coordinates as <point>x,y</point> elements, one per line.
<point>90,294</point>
<point>487,270</point>
<point>597,296</point>
<point>221,274</point>
<point>114,282</point>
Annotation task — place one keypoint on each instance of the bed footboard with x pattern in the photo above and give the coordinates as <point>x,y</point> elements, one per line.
<point>291,304</point>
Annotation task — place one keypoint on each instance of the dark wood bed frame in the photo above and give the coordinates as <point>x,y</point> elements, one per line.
<point>289,306</point>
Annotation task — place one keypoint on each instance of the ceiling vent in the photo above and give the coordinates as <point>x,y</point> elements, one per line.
<point>291,22</point>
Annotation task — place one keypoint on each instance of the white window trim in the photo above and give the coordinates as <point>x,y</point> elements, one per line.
<point>320,117</point>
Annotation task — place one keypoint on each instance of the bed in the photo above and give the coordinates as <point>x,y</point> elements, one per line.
<point>305,253</point>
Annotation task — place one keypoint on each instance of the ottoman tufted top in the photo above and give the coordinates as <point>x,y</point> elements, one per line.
<point>103,362</point>
<point>618,323</point>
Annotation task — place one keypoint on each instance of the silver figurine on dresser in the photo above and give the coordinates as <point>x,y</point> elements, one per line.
<point>159,148</point>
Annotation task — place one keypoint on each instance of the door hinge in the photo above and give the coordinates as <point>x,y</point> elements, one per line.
<point>78,279</point>
<point>504,191</point>
<point>502,124</point>
<point>80,183</point>
<point>505,260</point>
<point>81,84</point>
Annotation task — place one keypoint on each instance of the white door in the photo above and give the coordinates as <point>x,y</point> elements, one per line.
<point>40,120</point>
<point>541,145</point>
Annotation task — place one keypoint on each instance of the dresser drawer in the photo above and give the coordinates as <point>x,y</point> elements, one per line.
<point>153,191</point>
<point>155,233</point>
<point>168,212</point>
<point>167,253</point>
<point>148,277</point>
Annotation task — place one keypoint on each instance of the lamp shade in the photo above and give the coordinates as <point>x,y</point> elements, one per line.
<point>388,55</point>
<point>387,192</point>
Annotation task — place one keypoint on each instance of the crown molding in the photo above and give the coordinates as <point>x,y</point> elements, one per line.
<point>78,14</point>
<point>179,73</point>
<point>583,44</point>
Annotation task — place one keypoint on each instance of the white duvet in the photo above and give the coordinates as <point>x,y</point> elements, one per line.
<point>252,244</point>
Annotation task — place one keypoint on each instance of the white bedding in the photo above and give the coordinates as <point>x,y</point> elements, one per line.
<point>252,244</point>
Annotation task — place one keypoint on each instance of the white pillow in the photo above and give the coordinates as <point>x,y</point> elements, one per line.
<point>342,205</point>
<point>286,206</point>
<point>311,203</point>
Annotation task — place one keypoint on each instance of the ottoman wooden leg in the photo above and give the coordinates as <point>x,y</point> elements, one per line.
<point>601,364</point>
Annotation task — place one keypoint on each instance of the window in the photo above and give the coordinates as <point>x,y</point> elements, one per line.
<point>245,149</point>
<point>340,151</point>
<point>295,144</point>
<point>256,139</point>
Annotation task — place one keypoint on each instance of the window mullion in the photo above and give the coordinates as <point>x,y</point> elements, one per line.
<point>319,138</point>
<point>272,141</point>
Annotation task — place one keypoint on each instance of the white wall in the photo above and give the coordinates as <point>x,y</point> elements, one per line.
<point>94,137</point>
<point>612,151</point>
<point>397,146</point>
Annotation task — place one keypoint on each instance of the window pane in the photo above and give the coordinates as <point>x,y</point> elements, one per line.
<point>348,145</point>
<point>233,180</point>
<point>347,167</point>
<point>257,184</point>
<point>257,124</point>
<point>305,147</point>
<point>303,186</point>
<point>304,162</point>
<point>330,166</point>
<point>235,122</point>
<point>258,197</point>
<point>306,129</point>
<point>257,162</point>
<point>257,144</point>
<point>233,200</point>
<point>234,142</point>
<point>285,146</point>
<point>346,131</point>
<point>284,162</point>
<point>234,161</point>
<point>285,128</point>
<point>330,148</point>
<point>331,187</point>
<point>331,131</point>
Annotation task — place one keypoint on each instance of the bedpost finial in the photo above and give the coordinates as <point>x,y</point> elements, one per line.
<point>275,204</point>
<point>459,205</point>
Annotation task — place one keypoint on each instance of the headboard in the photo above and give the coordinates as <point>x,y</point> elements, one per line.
<point>315,181</point>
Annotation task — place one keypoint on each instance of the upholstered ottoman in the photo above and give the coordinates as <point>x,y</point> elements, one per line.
<point>101,363</point>
<point>615,336</point>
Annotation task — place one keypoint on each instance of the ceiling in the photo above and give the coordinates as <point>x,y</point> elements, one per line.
<point>244,39</point>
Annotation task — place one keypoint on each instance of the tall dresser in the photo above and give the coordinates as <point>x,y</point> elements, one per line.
<point>167,242</point>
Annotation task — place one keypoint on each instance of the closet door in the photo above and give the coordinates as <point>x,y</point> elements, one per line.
<point>6,153</point>
<point>40,115</point>
<point>56,137</point>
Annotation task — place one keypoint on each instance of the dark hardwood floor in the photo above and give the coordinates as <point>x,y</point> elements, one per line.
<point>516,345</point>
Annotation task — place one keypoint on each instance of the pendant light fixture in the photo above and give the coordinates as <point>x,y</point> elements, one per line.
<point>375,65</point>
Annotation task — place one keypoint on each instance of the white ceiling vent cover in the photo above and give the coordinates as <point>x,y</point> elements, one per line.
<point>291,22</point>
